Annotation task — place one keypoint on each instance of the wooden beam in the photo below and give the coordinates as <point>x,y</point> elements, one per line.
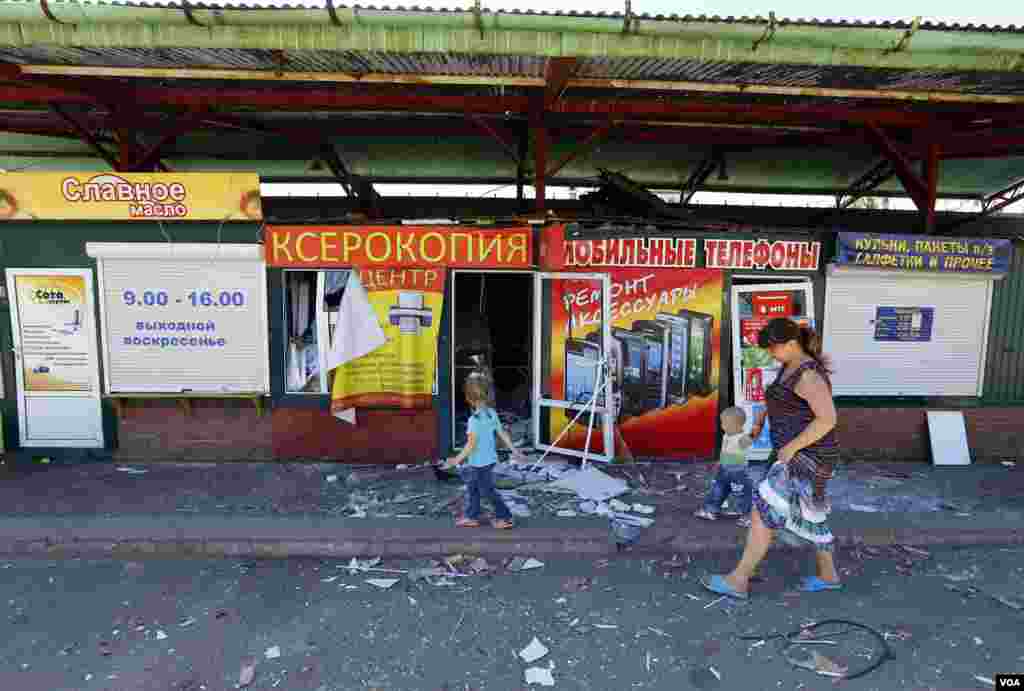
<point>557,73</point>
<point>540,157</point>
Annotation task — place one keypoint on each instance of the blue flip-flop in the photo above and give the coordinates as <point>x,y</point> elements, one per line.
<point>813,584</point>
<point>717,585</point>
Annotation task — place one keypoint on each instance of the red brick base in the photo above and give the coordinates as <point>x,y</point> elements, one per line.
<point>901,434</point>
<point>233,431</point>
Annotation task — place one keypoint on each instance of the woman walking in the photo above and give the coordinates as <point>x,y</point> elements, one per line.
<point>792,494</point>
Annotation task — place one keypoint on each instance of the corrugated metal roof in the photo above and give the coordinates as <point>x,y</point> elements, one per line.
<point>456,64</point>
<point>697,18</point>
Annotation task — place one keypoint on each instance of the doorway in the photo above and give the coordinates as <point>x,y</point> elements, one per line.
<point>755,303</point>
<point>492,331</point>
<point>56,357</point>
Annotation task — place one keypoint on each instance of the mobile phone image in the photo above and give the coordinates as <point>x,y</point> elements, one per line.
<point>679,345</point>
<point>698,370</point>
<point>634,370</point>
<point>657,335</point>
<point>581,358</point>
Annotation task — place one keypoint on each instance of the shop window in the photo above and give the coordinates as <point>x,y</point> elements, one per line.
<point>312,300</point>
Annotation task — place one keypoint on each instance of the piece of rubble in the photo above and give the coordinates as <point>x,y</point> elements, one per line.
<point>160,635</point>
<point>246,675</point>
<point>332,478</point>
<point>534,651</point>
<point>643,508</point>
<point>131,471</point>
<point>539,675</point>
<point>382,583</point>
<point>480,565</point>
<point>565,513</point>
<point>619,506</point>
<point>273,652</point>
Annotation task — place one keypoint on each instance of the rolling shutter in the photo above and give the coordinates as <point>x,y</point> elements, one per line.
<point>181,318</point>
<point>949,364</point>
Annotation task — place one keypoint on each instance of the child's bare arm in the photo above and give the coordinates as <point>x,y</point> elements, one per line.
<point>466,450</point>
<point>746,442</point>
<point>507,440</point>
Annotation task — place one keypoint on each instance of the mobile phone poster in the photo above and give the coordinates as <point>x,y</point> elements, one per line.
<point>663,361</point>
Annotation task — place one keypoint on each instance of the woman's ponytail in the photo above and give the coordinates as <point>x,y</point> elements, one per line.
<point>810,341</point>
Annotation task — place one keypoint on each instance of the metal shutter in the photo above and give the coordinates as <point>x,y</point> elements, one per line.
<point>176,359</point>
<point>948,365</point>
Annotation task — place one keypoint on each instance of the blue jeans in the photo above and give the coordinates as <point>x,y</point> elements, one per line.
<point>480,484</point>
<point>721,488</point>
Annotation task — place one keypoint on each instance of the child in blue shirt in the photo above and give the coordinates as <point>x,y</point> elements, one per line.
<point>482,452</point>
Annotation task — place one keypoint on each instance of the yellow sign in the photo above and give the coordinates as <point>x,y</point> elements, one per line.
<point>399,374</point>
<point>55,349</point>
<point>130,197</point>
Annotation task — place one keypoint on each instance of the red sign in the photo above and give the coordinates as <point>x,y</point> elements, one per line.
<point>772,305</point>
<point>398,246</point>
<point>781,255</point>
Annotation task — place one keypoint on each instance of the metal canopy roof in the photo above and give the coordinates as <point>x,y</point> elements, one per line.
<point>424,94</point>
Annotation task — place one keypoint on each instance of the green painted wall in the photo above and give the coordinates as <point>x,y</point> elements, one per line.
<point>61,245</point>
<point>1004,367</point>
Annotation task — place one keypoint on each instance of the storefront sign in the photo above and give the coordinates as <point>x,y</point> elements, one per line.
<point>55,349</point>
<point>779,255</point>
<point>904,324</point>
<point>559,252</point>
<point>130,196</point>
<point>664,359</point>
<point>392,246</point>
<point>772,305</point>
<point>399,374</point>
<point>925,253</point>
<point>652,252</point>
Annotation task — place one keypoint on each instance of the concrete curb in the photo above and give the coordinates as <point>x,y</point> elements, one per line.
<point>69,543</point>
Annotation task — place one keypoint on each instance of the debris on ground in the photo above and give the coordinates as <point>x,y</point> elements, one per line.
<point>533,652</point>
<point>576,584</point>
<point>273,652</point>
<point>590,483</point>
<point>643,508</point>
<point>160,635</point>
<point>382,583</point>
<point>524,564</point>
<point>539,675</point>
<point>131,471</point>
<point>247,674</point>
<point>480,565</point>
<point>985,680</point>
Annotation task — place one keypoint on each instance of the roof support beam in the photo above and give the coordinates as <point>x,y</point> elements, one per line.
<point>699,176</point>
<point>496,136</point>
<point>593,138</point>
<point>878,175</point>
<point>931,180</point>
<point>557,73</point>
<point>915,187</point>
<point>993,203</point>
<point>87,136</point>
<point>669,111</point>
<point>539,132</point>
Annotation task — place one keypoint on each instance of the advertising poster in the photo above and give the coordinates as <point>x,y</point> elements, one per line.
<point>401,373</point>
<point>664,360</point>
<point>758,370</point>
<point>54,341</point>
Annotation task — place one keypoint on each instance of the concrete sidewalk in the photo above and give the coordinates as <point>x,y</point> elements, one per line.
<point>297,536</point>
<point>267,510</point>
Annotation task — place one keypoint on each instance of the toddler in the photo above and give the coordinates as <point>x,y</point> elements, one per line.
<point>731,470</point>
<point>482,453</point>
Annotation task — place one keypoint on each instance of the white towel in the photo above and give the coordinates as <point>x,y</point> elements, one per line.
<point>358,332</point>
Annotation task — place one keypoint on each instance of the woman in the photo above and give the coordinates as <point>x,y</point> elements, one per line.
<point>792,494</point>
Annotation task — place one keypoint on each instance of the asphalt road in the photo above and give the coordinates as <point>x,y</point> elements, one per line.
<point>628,624</point>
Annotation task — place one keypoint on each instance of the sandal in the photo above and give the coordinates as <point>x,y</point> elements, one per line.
<point>718,585</point>
<point>813,584</point>
<point>467,523</point>
<point>502,524</point>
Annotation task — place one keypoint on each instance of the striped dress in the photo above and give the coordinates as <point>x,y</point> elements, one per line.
<point>793,496</point>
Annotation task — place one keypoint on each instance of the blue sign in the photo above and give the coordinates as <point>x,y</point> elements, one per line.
<point>904,324</point>
<point>924,253</point>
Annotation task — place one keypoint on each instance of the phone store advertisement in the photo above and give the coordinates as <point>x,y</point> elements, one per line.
<point>663,358</point>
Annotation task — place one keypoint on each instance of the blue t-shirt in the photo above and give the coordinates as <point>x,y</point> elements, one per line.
<point>483,425</point>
